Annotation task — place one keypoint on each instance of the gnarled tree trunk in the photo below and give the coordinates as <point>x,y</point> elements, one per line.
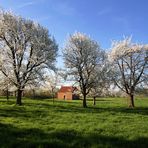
<point>84,101</point>
<point>131,101</point>
<point>19,97</point>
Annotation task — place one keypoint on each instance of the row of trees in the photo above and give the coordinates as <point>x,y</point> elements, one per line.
<point>28,52</point>
<point>125,66</point>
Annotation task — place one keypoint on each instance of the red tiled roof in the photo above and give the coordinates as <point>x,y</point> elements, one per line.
<point>67,89</point>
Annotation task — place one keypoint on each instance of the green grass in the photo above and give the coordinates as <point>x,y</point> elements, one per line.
<point>40,123</point>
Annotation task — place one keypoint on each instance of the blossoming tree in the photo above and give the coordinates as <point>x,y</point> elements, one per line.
<point>82,55</point>
<point>26,50</point>
<point>130,64</point>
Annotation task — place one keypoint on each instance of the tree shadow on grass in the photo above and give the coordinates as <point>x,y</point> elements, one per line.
<point>41,108</point>
<point>11,136</point>
<point>79,109</point>
<point>136,110</point>
<point>22,113</point>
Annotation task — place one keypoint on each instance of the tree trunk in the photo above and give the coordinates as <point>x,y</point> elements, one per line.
<point>19,97</point>
<point>84,101</point>
<point>33,93</point>
<point>94,100</point>
<point>15,93</point>
<point>7,94</point>
<point>53,97</point>
<point>131,103</point>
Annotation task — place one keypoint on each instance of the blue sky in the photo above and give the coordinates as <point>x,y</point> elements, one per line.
<point>103,20</point>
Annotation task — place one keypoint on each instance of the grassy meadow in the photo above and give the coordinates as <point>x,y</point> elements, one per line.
<point>40,123</point>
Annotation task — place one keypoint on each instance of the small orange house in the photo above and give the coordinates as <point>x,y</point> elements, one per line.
<point>68,93</point>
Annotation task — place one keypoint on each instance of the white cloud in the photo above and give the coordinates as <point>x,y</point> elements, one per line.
<point>26,4</point>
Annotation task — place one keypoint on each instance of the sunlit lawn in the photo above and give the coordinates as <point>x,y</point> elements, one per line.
<point>40,123</point>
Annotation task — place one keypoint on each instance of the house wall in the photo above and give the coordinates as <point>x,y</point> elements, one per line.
<point>68,95</point>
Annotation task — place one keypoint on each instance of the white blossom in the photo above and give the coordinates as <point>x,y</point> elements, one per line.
<point>129,63</point>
